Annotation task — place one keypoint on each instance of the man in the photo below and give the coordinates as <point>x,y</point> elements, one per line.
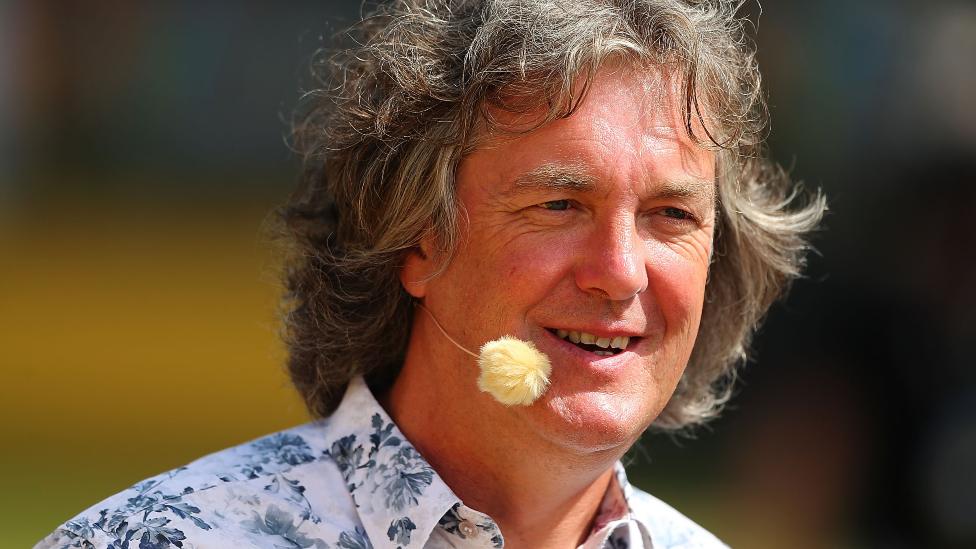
<point>585,176</point>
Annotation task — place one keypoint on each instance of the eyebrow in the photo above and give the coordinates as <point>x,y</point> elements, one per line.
<point>687,188</point>
<point>550,177</point>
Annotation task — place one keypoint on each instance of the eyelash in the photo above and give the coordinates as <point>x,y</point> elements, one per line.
<point>546,205</point>
<point>563,205</point>
<point>681,214</point>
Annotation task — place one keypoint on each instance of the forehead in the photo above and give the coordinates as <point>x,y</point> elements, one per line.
<point>631,124</point>
<point>650,92</point>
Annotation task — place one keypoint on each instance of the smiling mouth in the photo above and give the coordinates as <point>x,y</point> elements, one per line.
<point>600,346</point>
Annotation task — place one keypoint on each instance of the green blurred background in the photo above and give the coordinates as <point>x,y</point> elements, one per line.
<point>143,145</point>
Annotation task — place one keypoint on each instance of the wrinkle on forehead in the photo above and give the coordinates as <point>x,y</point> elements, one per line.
<point>653,80</point>
<point>657,98</point>
<point>658,116</point>
<point>629,111</point>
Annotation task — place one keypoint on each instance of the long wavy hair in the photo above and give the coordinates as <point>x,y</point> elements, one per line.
<point>397,108</point>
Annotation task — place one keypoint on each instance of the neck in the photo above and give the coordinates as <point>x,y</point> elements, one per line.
<point>540,493</point>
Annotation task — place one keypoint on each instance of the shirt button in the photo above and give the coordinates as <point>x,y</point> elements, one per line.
<point>468,529</point>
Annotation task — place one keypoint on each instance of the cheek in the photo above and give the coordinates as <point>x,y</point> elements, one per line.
<point>508,271</point>
<point>678,282</point>
<point>533,267</point>
<point>515,248</point>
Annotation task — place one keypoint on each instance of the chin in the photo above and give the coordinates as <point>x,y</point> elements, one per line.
<point>596,421</point>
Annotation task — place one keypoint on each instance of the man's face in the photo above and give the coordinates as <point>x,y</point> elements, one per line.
<point>599,225</point>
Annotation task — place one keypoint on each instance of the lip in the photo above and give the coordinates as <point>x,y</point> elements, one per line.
<point>636,338</point>
<point>564,354</point>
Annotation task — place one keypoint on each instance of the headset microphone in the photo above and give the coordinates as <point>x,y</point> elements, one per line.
<point>513,371</point>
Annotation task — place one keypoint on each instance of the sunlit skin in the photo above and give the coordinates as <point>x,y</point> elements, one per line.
<point>603,223</point>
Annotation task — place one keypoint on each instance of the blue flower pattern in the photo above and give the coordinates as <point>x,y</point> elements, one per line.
<point>400,530</point>
<point>355,539</point>
<point>351,481</point>
<point>280,524</point>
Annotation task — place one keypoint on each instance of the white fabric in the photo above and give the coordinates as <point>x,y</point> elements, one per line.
<point>351,481</point>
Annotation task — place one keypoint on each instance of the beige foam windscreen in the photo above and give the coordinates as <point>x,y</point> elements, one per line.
<point>513,371</point>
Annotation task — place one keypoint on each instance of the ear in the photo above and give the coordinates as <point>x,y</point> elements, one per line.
<point>418,266</point>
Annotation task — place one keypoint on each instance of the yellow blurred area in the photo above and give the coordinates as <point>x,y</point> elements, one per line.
<point>134,339</point>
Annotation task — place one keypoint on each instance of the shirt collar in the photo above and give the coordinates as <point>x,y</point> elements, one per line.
<point>399,497</point>
<point>616,518</point>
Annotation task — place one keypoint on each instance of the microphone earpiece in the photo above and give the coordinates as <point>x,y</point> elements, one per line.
<point>513,371</point>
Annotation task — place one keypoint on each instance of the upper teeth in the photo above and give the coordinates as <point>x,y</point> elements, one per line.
<point>618,342</point>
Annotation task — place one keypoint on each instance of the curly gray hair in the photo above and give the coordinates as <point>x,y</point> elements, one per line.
<point>399,109</point>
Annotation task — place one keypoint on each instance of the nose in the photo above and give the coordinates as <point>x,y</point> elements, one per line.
<point>611,264</point>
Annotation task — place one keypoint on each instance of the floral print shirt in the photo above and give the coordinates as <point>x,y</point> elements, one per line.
<point>350,481</point>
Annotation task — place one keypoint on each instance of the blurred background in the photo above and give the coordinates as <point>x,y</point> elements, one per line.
<point>142,146</point>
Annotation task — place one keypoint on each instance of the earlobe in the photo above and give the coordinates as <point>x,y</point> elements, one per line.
<point>416,270</point>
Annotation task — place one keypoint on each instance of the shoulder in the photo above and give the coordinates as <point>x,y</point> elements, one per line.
<point>669,528</point>
<point>276,488</point>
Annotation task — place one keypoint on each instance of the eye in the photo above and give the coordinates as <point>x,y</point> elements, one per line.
<point>677,213</point>
<point>555,205</point>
